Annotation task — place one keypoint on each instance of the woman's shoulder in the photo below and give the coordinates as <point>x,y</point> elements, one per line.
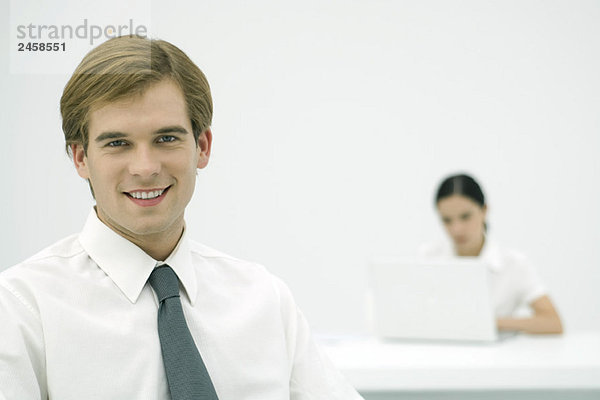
<point>503,256</point>
<point>499,248</point>
<point>516,268</point>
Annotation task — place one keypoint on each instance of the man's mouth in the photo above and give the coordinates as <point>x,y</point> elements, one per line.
<point>146,194</point>
<point>148,197</point>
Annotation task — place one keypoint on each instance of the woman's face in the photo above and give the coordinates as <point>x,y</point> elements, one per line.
<point>464,221</point>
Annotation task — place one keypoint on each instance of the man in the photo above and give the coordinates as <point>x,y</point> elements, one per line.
<point>131,308</point>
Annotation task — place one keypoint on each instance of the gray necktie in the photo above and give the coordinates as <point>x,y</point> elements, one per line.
<point>186,373</point>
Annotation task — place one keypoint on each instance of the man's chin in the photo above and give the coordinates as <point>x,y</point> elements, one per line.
<point>138,229</point>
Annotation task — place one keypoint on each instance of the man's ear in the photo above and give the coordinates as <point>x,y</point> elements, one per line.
<point>204,144</point>
<point>80,160</point>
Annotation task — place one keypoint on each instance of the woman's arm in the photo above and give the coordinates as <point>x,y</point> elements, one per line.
<point>544,320</point>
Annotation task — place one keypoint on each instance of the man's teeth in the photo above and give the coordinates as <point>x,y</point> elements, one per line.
<point>146,195</point>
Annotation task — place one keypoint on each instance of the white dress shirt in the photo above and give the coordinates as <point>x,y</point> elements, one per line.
<point>78,321</point>
<point>514,282</point>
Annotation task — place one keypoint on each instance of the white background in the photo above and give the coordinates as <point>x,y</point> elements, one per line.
<point>334,123</point>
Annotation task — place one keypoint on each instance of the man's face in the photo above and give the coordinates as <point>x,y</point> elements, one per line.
<point>141,161</point>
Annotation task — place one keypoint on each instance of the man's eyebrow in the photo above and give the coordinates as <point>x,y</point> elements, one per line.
<point>171,129</point>
<point>110,135</point>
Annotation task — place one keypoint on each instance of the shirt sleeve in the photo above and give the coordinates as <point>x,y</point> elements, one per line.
<point>22,360</point>
<point>312,376</point>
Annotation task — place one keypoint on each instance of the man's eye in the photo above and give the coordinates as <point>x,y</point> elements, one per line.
<point>116,143</point>
<point>166,139</point>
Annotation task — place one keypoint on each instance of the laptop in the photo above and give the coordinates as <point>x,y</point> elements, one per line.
<point>433,300</point>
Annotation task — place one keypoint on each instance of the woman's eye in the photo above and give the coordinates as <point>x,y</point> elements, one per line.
<point>166,139</point>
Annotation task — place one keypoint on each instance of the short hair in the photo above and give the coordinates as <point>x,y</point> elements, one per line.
<point>463,185</point>
<point>126,66</point>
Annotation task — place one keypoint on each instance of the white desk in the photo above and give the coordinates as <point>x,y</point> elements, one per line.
<point>524,363</point>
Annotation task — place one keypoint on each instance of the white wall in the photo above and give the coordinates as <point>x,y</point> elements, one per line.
<point>334,122</point>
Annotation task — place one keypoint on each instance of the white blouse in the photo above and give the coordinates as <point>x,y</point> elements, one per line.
<point>514,282</point>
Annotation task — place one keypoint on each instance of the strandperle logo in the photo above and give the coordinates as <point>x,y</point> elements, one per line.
<point>82,31</point>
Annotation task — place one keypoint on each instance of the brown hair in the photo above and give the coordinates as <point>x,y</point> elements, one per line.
<point>123,67</point>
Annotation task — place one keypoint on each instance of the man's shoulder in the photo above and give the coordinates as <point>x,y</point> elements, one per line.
<point>241,273</point>
<point>61,250</point>
<point>205,251</point>
<point>212,255</point>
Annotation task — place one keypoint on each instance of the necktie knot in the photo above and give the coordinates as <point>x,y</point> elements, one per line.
<point>165,283</point>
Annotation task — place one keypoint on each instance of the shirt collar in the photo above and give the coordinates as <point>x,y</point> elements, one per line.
<point>127,265</point>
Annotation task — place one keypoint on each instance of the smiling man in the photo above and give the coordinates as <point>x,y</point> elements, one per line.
<point>141,161</point>
<point>131,308</point>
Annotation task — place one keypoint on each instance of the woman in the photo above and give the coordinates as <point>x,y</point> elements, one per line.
<point>514,283</point>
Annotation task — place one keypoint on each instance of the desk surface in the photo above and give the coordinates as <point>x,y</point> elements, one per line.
<point>571,361</point>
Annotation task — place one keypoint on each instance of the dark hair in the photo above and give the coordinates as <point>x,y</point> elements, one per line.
<point>463,185</point>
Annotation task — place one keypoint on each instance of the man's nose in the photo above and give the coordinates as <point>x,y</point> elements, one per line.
<point>144,162</point>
